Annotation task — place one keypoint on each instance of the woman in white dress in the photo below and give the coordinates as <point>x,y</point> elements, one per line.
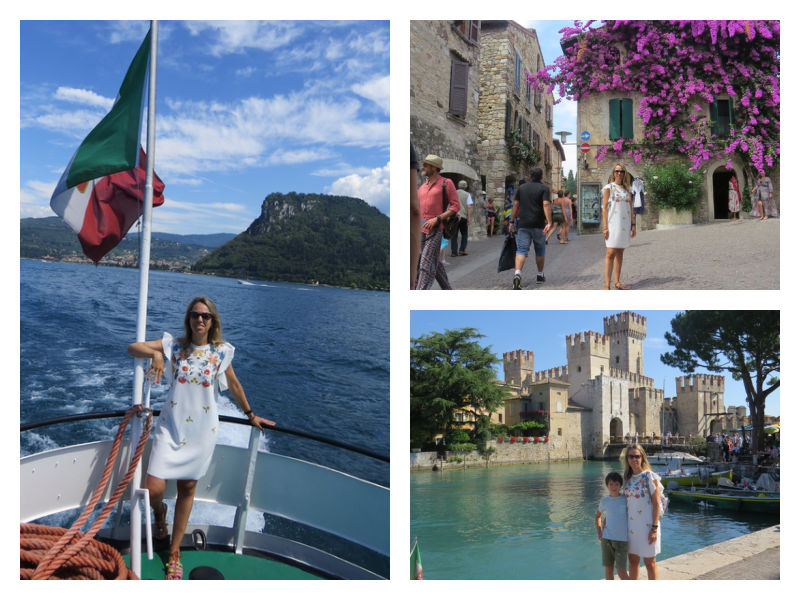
<point>619,223</point>
<point>185,433</point>
<point>643,489</point>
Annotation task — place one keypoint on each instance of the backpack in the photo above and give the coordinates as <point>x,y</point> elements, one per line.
<point>451,222</point>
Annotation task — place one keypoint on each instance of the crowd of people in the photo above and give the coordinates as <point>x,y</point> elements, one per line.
<point>532,215</point>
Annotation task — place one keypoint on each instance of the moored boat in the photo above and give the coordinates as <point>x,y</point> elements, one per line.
<point>731,499</point>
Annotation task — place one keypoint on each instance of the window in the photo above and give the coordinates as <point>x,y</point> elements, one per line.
<point>620,118</point>
<point>508,117</point>
<point>459,77</point>
<point>469,29</point>
<point>517,72</point>
<point>527,95</point>
<point>721,114</point>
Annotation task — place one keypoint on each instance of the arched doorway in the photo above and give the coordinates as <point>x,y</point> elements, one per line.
<point>615,429</point>
<point>715,426</point>
<point>720,180</point>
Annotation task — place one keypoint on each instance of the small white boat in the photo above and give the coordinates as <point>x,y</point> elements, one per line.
<point>663,458</point>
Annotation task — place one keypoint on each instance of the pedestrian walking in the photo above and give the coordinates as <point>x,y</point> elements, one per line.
<point>764,205</point>
<point>464,217</point>
<point>438,201</point>
<point>534,219</point>
<point>491,216</point>
<point>619,224</point>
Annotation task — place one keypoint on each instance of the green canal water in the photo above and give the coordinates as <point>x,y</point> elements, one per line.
<point>537,522</point>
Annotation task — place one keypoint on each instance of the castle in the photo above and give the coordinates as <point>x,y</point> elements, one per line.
<point>602,395</point>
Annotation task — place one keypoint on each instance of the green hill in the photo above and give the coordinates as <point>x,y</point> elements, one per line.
<point>334,240</point>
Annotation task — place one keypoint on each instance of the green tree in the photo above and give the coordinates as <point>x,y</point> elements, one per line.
<point>572,184</point>
<point>451,372</point>
<point>744,343</point>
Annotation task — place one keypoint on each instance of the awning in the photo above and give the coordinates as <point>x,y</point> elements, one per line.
<point>450,166</point>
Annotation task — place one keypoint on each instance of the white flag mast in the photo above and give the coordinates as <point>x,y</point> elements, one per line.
<point>140,395</point>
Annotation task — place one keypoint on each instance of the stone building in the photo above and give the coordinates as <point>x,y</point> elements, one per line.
<point>469,93</point>
<point>445,72</point>
<point>507,105</point>
<point>602,395</point>
<point>608,116</point>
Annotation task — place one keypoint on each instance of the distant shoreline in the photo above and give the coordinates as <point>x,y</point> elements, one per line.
<point>156,268</point>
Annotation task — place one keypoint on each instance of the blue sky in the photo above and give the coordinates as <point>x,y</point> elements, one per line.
<point>244,108</point>
<point>544,333</point>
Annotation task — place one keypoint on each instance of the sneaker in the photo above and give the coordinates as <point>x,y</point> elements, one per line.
<point>463,253</point>
<point>540,279</point>
<point>517,282</point>
<point>454,255</point>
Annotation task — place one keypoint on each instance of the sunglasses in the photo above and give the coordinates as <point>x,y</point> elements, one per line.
<point>634,456</point>
<point>618,171</point>
<point>197,315</point>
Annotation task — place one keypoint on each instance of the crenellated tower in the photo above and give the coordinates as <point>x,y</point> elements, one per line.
<point>626,332</point>
<point>518,369</point>
<point>700,403</point>
<point>587,357</point>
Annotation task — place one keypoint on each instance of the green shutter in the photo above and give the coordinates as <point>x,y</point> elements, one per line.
<point>626,108</point>
<point>614,126</point>
<point>508,117</point>
<point>714,117</point>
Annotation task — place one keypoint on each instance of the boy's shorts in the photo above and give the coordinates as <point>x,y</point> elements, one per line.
<point>615,553</point>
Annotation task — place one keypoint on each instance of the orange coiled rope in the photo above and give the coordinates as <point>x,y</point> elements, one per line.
<point>56,553</point>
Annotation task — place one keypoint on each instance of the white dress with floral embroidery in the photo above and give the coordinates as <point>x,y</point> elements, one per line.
<point>638,490</point>
<point>185,433</point>
<point>618,211</point>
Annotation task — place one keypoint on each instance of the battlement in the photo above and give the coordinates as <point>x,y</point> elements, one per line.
<point>626,323</point>
<point>518,355</point>
<point>554,373</point>
<point>597,342</point>
<point>700,382</point>
<point>669,403</point>
<point>634,378</point>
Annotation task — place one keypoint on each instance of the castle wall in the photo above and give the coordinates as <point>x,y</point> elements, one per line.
<point>587,358</point>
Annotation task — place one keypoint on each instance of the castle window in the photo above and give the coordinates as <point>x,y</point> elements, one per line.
<point>579,369</point>
<point>616,358</point>
<point>559,431</point>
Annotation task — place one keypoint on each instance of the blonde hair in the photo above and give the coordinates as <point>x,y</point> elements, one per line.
<point>214,330</point>
<point>625,463</point>
<point>626,179</point>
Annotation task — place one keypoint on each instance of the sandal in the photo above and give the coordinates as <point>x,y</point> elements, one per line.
<point>174,570</point>
<point>621,286</point>
<point>160,529</point>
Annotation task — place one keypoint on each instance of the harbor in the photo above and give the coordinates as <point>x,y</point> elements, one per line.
<point>488,524</point>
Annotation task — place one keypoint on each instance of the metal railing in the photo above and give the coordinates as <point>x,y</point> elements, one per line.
<point>225,419</point>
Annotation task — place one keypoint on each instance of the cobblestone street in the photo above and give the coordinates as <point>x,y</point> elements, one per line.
<point>743,255</point>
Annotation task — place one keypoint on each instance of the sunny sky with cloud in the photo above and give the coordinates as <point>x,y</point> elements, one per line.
<point>244,109</point>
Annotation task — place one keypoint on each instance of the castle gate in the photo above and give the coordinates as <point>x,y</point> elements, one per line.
<point>615,428</point>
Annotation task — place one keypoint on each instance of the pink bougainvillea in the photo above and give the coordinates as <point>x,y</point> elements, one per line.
<point>677,68</point>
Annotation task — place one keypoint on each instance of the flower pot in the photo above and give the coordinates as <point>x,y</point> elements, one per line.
<point>672,218</point>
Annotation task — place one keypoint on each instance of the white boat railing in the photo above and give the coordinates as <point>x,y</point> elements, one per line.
<point>302,492</point>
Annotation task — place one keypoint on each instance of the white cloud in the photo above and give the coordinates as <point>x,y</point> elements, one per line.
<point>35,199</point>
<point>231,37</point>
<point>373,188</point>
<point>376,90</point>
<point>81,96</point>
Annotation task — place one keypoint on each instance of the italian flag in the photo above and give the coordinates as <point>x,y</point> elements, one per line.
<point>100,194</point>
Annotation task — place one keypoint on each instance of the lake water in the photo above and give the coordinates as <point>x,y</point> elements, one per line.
<point>314,359</point>
<point>537,522</point>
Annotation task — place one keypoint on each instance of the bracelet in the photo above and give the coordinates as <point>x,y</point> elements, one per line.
<point>249,412</point>
<point>438,218</point>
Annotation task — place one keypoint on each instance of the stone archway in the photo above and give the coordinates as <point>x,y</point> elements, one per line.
<point>719,186</point>
<point>715,426</point>
<point>712,211</point>
<point>615,429</point>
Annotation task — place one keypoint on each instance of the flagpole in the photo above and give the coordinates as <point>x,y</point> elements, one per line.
<point>141,318</point>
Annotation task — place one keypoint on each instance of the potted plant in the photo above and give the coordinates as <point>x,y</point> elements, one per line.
<point>674,189</point>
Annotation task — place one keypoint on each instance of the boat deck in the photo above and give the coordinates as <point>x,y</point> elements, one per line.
<point>231,565</point>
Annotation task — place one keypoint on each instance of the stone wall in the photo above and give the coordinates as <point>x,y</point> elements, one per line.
<point>434,44</point>
<point>505,453</point>
<point>500,42</point>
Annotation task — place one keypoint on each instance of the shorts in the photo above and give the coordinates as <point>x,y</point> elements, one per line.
<point>615,553</point>
<point>524,237</point>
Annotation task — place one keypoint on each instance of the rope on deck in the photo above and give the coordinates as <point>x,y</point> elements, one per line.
<point>56,553</point>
